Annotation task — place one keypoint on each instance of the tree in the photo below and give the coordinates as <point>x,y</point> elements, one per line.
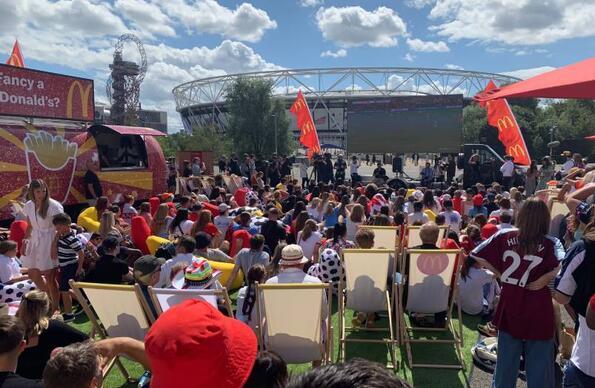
<point>200,139</point>
<point>572,120</point>
<point>255,118</point>
<point>474,120</point>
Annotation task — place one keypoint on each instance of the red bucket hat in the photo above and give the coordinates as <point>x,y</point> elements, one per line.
<point>195,339</point>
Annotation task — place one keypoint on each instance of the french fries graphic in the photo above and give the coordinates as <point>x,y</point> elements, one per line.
<point>53,152</point>
<point>53,159</point>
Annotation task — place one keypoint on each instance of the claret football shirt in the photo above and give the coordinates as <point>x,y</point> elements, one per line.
<point>523,313</point>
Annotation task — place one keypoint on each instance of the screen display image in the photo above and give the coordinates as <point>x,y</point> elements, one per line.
<point>405,124</point>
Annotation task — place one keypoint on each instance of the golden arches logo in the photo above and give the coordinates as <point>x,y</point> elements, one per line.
<point>308,127</point>
<point>84,94</point>
<point>504,123</point>
<point>515,150</point>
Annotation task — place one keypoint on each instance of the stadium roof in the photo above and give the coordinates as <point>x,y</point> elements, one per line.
<point>319,84</point>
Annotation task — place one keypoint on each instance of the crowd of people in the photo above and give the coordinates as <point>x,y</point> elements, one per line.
<point>277,228</point>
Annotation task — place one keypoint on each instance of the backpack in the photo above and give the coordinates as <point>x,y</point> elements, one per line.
<point>166,251</point>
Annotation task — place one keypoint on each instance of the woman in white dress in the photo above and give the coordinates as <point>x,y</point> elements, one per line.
<point>37,245</point>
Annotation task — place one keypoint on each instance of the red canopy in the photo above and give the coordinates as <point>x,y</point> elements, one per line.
<point>572,81</point>
<point>590,137</point>
<point>127,130</point>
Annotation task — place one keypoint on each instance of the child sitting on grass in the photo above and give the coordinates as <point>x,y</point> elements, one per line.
<point>12,277</point>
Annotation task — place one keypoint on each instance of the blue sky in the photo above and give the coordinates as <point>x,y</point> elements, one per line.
<point>190,39</point>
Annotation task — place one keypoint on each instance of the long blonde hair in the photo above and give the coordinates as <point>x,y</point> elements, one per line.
<point>309,227</point>
<point>358,214</point>
<point>33,312</point>
<point>203,219</point>
<point>160,217</point>
<point>37,184</point>
<point>107,224</point>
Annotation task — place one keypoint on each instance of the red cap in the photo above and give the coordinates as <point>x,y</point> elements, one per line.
<point>477,200</point>
<point>488,230</point>
<point>194,345</point>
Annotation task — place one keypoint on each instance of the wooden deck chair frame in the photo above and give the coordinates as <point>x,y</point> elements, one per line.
<point>326,348</point>
<point>391,340</point>
<point>382,234</point>
<point>406,243</point>
<point>79,288</point>
<point>221,293</point>
<point>406,330</point>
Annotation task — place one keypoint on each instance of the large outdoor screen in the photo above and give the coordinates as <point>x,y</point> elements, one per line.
<point>405,124</point>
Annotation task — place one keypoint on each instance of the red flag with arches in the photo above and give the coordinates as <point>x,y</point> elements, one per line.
<point>308,133</point>
<point>16,57</point>
<point>500,116</point>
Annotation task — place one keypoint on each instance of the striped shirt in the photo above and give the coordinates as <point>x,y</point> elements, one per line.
<point>68,248</point>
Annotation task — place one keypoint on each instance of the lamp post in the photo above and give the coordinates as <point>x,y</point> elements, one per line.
<point>552,144</point>
<point>275,116</point>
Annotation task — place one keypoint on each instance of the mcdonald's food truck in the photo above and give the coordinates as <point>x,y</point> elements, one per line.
<point>44,134</point>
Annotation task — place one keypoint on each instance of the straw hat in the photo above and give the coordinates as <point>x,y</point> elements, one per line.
<point>292,255</point>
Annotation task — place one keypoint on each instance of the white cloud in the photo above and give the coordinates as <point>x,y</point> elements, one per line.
<point>453,66</point>
<point>419,4</point>
<point>89,51</point>
<point>228,57</point>
<point>310,3</point>
<point>355,26</point>
<point>245,23</point>
<point>427,46</point>
<point>528,73</point>
<point>73,18</point>
<point>334,54</point>
<point>409,57</point>
<point>147,18</point>
<point>514,22</point>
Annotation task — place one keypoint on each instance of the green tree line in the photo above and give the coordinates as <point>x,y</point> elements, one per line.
<point>572,119</point>
<point>257,124</point>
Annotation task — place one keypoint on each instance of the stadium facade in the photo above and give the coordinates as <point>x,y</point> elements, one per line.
<point>328,92</point>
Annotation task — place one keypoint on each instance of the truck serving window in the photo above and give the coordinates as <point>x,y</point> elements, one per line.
<point>118,151</point>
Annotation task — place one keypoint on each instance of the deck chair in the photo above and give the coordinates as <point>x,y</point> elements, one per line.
<point>114,311</point>
<point>414,240</point>
<point>430,291</point>
<point>558,210</point>
<point>296,321</point>
<point>365,290</point>
<point>165,298</point>
<point>385,237</point>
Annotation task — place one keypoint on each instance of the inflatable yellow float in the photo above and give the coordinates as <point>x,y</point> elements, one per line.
<point>154,242</point>
<point>88,219</point>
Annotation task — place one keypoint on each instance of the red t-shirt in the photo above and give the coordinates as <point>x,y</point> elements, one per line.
<point>245,236</point>
<point>457,204</point>
<point>211,229</point>
<point>522,313</point>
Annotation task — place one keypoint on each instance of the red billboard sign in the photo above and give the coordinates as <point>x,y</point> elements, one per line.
<point>34,93</point>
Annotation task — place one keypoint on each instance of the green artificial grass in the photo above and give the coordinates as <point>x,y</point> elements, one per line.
<point>422,353</point>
